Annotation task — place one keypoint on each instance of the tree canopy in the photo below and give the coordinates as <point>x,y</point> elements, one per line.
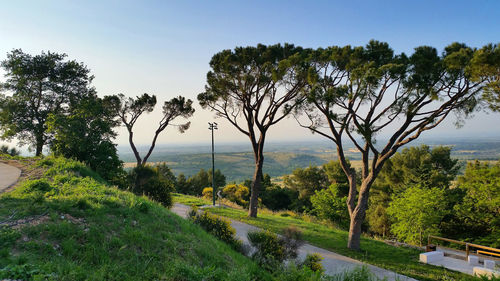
<point>358,93</point>
<point>39,86</point>
<point>129,110</point>
<point>254,88</point>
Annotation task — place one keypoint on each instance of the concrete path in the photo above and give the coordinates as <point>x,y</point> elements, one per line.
<point>333,263</point>
<point>8,176</point>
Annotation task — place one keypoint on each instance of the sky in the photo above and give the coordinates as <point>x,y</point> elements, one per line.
<point>164,47</point>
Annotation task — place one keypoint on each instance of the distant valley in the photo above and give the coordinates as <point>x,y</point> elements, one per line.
<point>237,164</point>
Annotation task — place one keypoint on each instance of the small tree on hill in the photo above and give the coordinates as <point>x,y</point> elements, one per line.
<point>130,109</point>
<point>359,93</point>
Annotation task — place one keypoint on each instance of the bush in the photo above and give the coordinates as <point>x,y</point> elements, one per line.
<point>313,262</point>
<point>292,240</point>
<point>292,272</point>
<point>328,204</point>
<point>237,193</point>
<point>147,181</point>
<point>272,250</point>
<point>276,198</point>
<point>208,193</point>
<point>41,185</point>
<point>217,226</point>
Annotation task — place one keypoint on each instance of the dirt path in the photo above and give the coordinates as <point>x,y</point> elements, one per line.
<point>333,263</point>
<point>8,176</point>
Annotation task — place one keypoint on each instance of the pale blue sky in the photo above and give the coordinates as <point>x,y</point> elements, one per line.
<point>163,47</point>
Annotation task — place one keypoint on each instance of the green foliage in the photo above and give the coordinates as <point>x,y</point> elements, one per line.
<point>417,213</point>
<point>208,193</point>
<point>86,230</point>
<point>306,182</point>
<point>419,165</point>
<point>236,193</point>
<point>328,204</point>
<point>41,85</point>
<point>313,262</point>
<point>272,250</point>
<point>336,175</point>
<point>422,166</point>
<point>86,134</point>
<point>277,198</point>
<point>403,260</point>
<point>23,272</point>
<point>145,180</point>
<point>478,212</point>
<point>194,185</point>
<point>217,226</point>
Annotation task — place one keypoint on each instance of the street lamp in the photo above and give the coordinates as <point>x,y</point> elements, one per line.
<point>212,127</point>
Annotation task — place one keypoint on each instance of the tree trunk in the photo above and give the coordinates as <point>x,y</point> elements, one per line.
<point>256,187</point>
<point>358,216</point>
<point>39,145</point>
<point>354,241</point>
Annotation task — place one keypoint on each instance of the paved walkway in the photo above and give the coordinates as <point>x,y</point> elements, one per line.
<point>333,263</point>
<point>8,176</point>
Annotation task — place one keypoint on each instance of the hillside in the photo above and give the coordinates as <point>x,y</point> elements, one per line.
<point>237,163</point>
<point>65,223</point>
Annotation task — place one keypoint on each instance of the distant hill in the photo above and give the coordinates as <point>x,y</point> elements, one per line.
<point>237,164</point>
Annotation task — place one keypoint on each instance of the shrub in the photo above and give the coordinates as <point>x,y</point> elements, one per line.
<point>313,262</point>
<point>292,272</point>
<point>217,226</point>
<point>237,193</point>
<point>292,240</point>
<point>277,198</point>
<point>272,250</point>
<point>41,185</point>
<point>147,181</point>
<point>328,204</point>
<point>208,193</point>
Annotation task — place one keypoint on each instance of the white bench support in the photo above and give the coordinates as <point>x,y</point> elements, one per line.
<point>473,260</point>
<point>489,264</point>
<point>431,256</point>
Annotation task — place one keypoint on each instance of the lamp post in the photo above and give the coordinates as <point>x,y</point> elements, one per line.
<point>212,127</point>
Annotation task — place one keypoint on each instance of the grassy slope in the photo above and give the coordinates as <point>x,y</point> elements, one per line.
<point>399,259</point>
<point>90,231</point>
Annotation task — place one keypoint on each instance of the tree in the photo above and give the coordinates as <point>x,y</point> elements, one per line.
<point>489,56</point>
<point>87,134</point>
<point>329,204</point>
<point>129,110</point>
<point>306,182</point>
<point>359,93</point>
<point>182,185</point>
<point>418,165</point>
<point>478,212</point>
<point>202,179</point>
<point>40,85</point>
<point>417,213</point>
<point>254,88</point>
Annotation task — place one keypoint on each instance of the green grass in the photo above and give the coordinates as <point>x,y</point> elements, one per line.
<point>402,260</point>
<point>83,229</point>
